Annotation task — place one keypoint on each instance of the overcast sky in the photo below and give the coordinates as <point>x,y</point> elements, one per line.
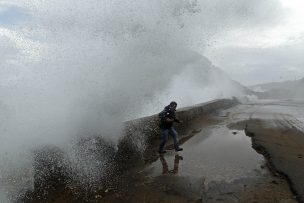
<point>253,41</point>
<point>264,54</point>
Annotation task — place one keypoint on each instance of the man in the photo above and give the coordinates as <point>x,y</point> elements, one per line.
<point>165,165</point>
<point>167,118</point>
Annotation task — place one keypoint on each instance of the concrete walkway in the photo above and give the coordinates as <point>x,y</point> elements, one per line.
<point>218,164</point>
<point>276,128</point>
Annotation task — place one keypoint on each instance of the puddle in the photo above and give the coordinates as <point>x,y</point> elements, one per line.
<point>219,154</point>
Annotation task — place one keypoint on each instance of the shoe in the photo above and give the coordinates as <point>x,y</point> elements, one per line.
<point>162,152</point>
<point>179,149</point>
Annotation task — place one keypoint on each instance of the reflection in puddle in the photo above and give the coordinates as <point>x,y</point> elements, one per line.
<point>165,165</point>
<point>225,155</point>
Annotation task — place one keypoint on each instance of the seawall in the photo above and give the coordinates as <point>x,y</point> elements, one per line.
<point>142,135</point>
<point>139,143</point>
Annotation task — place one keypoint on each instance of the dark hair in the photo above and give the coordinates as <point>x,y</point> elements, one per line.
<point>173,103</point>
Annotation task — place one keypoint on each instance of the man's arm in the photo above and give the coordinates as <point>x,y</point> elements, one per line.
<point>164,118</point>
<point>177,120</point>
<point>170,120</point>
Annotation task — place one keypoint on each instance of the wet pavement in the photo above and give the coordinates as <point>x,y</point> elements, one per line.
<point>215,154</point>
<point>218,164</point>
<point>276,128</point>
<point>221,163</point>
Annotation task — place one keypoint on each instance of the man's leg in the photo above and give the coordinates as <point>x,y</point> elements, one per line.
<point>164,163</point>
<point>176,162</point>
<point>175,139</point>
<point>163,137</point>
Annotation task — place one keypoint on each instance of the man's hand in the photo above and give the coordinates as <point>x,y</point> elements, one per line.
<point>169,120</point>
<point>178,121</point>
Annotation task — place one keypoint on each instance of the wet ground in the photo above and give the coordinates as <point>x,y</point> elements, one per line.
<point>277,132</point>
<point>218,164</point>
<point>221,163</point>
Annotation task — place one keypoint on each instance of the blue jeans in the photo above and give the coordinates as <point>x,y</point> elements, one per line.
<point>164,136</point>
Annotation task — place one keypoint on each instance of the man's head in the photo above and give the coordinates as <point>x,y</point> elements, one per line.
<point>173,105</point>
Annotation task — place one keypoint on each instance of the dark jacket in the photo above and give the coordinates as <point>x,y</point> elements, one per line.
<point>167,113</point>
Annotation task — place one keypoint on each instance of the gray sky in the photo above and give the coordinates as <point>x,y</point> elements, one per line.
<point>264,54</point>
<point>253,41</point>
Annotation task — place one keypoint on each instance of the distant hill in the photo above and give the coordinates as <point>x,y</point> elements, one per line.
<point>280,90</point>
